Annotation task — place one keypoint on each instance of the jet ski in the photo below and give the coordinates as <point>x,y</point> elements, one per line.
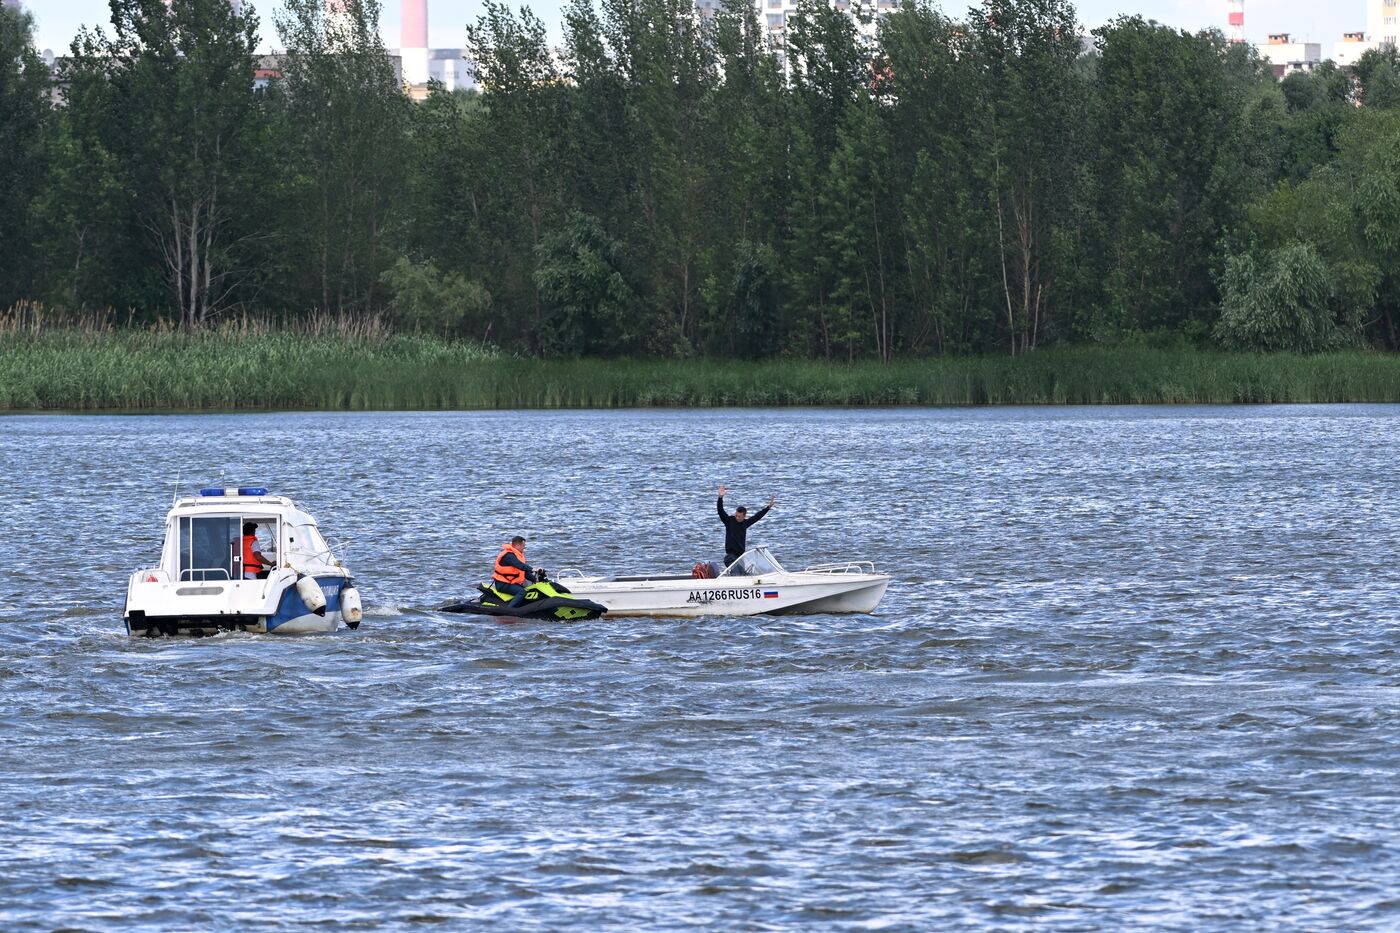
<point>544,599</point>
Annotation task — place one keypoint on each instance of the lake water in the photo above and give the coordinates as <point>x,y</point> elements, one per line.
<point>1137,668</point>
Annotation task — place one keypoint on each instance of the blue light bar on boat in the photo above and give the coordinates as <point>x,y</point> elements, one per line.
<point>252,490</point>
<point>240,491</point>
<point>211,491</point>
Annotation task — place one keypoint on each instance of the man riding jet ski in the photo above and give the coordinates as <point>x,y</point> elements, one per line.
<point>507,594</point>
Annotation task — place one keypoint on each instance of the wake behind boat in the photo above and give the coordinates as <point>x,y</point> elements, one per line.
<point>216,574</point>
<point>755,584</point>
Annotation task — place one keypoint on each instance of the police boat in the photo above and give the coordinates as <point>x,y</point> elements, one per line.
<point>238,559</point>
<point>754,584</point>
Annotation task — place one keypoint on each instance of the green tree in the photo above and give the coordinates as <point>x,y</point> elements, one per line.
<point>445,303</point>
<point>1167,123</point>
<point>84,234</point>
<point>591,306</point>
<point>744,162</point>
<point>172,95</point>
<point>24,122</point>
<point>1280,301</point>
<point>865,233</point>
<point>521,199</point>
<point>344,118</point>
<point>828,71</point>
<point>931,89</point>
<point>446,146</point>
<point>1377,74</point>
<point>1347,213</point>
<point>1031,102</point>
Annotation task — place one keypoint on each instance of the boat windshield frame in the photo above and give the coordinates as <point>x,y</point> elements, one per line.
<point>755,562</point>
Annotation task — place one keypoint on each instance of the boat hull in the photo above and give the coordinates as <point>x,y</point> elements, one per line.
<point>795,593</point>
<point>159,609</point>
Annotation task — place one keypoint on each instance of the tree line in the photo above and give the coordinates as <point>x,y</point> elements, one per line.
<point>664,185</point>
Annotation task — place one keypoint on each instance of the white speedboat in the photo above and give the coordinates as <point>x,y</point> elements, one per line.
<point>756,583</point>
<point>202,586</point>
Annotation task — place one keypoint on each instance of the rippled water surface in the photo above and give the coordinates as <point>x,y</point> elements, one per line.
<point>1136,668</point>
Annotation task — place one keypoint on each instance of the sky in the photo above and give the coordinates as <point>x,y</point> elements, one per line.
<point>57,21</point>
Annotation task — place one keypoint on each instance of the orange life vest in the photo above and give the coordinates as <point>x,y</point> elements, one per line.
<point>251,564</point>
<point>505,573</point>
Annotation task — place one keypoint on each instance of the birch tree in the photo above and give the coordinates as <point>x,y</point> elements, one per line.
<point>1026,50</point>
<point>181,120</point>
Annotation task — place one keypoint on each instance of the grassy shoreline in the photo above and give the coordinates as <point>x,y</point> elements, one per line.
<point>163,370</point>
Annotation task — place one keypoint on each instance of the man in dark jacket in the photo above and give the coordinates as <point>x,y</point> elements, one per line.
<point>736,527</point>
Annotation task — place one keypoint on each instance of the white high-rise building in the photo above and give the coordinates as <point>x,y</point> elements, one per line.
<point>773,16</point>
<point>1380,21</point>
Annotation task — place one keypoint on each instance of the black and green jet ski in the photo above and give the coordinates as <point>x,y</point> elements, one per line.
<point>544,599</point>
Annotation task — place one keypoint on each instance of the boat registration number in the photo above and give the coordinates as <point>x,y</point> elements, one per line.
<point>709,596</point>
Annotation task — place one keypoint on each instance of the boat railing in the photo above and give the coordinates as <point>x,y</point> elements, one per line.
<point>569,573</point>
<point>850,566</point>
<point>188,576</point>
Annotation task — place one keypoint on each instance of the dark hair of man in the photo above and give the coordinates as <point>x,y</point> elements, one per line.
<point>517,540</point>
<point>250,528</point>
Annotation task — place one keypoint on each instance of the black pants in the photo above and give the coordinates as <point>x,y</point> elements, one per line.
<point>731,559</point>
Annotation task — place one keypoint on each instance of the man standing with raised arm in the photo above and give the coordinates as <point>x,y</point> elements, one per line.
<point>736,527</point>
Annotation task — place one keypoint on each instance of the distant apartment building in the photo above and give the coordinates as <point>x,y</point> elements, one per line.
<point>1288,57</point>
<point>773,16</point>
<point>1352,46</point>
<point>1380,22</point>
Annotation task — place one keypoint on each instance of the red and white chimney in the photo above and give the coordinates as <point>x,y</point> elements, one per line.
<point>1237,21</point>
<point>413,41</point>
<point>414,25</point>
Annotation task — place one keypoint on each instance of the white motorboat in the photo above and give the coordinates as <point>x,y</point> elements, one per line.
<point>202,586</point>
<point>755,583</point>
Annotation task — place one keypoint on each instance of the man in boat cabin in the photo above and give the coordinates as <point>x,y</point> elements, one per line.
<point>512,573</point>
<point>255,565</point>
<point>736,527</point>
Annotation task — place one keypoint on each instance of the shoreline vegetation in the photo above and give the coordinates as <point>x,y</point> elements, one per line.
<point>356,364</point>
<point>641,180</point>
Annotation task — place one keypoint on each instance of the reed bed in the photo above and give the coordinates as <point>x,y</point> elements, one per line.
<point>251,364</point>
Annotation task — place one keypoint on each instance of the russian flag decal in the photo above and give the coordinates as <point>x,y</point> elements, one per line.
<point>770,594</point>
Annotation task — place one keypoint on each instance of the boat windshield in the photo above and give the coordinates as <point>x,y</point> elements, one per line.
<point>306,542</point>
<point>756,561</point>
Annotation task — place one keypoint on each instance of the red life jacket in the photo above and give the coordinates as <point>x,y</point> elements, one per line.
<point>505,573</point>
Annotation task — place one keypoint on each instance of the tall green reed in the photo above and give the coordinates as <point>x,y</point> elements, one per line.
<point>99,363</point>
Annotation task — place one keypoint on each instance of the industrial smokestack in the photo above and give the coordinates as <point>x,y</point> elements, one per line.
<point>1236,21</point>
<point>414,25</point>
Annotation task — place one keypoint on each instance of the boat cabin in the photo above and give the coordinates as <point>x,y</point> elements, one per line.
<point>204,535</point>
